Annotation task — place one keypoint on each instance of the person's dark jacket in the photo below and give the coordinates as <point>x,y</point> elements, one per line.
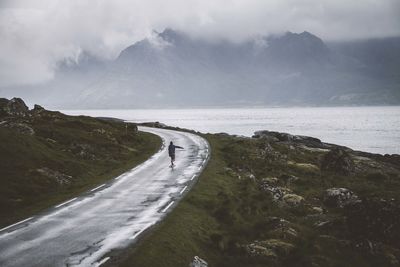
<point>171,149</point>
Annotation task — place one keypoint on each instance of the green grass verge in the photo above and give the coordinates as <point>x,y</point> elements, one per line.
<point>76,154</point>
<point>226,211</point>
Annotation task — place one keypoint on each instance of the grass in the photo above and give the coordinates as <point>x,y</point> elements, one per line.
<point>86,151</point>
<point>226,211</point>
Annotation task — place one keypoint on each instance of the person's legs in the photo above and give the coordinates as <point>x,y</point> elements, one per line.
<point>172,160</point>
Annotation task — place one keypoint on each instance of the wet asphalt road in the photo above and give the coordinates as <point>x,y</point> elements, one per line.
<point>81,231</point>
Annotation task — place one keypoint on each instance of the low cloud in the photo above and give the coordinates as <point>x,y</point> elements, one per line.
<point>35,35</point>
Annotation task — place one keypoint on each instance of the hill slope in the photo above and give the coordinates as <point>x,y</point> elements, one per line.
<point>281,200</point>
<point>46,156</point>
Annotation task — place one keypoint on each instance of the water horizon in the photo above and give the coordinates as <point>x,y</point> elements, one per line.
<point>372,129</point>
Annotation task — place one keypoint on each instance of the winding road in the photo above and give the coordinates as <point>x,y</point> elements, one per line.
<point>81,231</point>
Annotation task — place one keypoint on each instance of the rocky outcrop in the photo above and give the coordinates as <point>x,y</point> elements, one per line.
<point>338,161</point>
<point>280,194</point>
<point>269,248</point>
<point>22,128</point>
<point>14,107</point>
<point>198,262</point>
<point>60,178</point>
<point>293,200</point>
<point>339,197</point>
<point>280,228</point>
<point>272,136</point>
<point>277,192</point>
<point>37,110</point>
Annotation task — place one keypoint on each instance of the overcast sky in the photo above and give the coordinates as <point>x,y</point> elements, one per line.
<point>36,34</point>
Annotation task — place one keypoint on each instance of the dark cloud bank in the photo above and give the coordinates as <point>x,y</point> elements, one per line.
<point>68,53</point>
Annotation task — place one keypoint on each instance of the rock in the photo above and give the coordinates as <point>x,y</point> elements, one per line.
<point>339,197</point>
<point>304,167</point>
<point>392,259</point>
<point>15,107</point>
<point>276,223</point>
<point>309,141</point>
<point>51,140</point>
<point>277,192</point>
<point>251,176</point>
<point>268,149</point>
<point>322,224</point>
<point>293,200</point>
<point>338,161</point>
<point>60,178</point>
<point>265,136</point>
<point>269,248</point>
<point>271,136</point>
<point>270,180</point>
<point>317,210</point>
<point>37,108</point>
<point>281,228</point>
<point>254,249</point>
<point>288,179</point>
<point>274,136</point>
<point>18,127</point>
<point>232,173</point>
<point>198,262</point>
<point>287,233</point>
<point>280,193</point>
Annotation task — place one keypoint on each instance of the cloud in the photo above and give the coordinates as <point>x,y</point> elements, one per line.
<point>35,35</point>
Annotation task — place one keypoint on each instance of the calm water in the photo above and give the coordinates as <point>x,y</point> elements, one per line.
<point>372,129</point>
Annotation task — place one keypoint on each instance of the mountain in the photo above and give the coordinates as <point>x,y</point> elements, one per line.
<point>171,69</point>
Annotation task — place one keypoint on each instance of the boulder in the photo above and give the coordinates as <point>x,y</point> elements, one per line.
<point>292,200</point>
<point>338,161</point>
<point>15,107</point>
<point>198,262</point>
<point>277,192</point>
<point>269,248</point>
<point>339,197</point>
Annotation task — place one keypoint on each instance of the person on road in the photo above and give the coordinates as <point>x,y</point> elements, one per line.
<point>171,152</point>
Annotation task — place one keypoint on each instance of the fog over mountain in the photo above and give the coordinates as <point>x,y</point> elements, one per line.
<point>189,53</point>
<point>172,69</point>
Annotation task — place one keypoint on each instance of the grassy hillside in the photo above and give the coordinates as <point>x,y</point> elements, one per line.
<point>47,157</point>
<point>275,201</point>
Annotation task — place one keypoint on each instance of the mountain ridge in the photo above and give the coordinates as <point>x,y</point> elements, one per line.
<point>173,69</point>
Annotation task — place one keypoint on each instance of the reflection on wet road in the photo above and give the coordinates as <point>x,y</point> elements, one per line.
<point>81,231</point>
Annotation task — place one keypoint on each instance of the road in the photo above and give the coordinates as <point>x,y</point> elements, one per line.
<point>81,231</point>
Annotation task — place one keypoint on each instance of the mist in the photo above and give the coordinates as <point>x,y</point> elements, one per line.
<point>37,36</point>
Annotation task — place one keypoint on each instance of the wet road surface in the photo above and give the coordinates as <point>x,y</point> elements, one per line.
<point>81,231</point>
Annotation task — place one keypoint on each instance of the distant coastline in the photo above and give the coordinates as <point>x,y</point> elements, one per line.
<point>371,129</point>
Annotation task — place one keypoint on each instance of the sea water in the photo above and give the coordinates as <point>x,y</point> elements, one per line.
<point>371,129</point>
